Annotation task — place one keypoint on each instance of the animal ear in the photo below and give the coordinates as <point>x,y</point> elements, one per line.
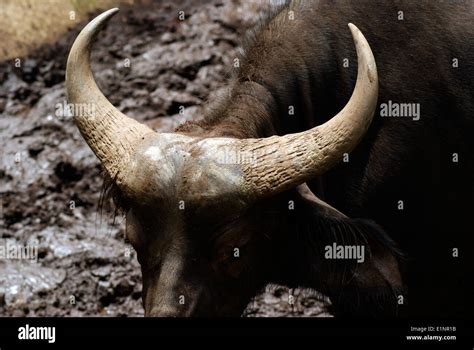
<point>374,271</point>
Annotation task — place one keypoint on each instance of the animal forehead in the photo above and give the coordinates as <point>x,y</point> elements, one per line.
<point>179,151</point>
<point>172,145</point>
<point>193,168</point>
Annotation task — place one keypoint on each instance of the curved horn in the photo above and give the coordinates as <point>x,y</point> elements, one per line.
<point>283,162</point>
<point>109,133</point>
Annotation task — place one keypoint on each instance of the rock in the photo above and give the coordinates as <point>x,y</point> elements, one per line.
<point>123,287</point>
<point>35,148</point>
<point>102,272</point>
<point>104,292</point>
<point>29,70</point>
<point>22,280</point>
<point>19,90</point>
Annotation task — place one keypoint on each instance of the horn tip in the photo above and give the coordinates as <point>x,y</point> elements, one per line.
<point>100,20</point>
<point>354,29</point>
<point>113,10</point>
<point>109,13</point>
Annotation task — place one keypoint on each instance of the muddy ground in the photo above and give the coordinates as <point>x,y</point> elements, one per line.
<point>149,64</point>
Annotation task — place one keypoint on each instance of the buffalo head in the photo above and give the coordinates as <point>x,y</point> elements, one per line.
<point>205,213</point>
